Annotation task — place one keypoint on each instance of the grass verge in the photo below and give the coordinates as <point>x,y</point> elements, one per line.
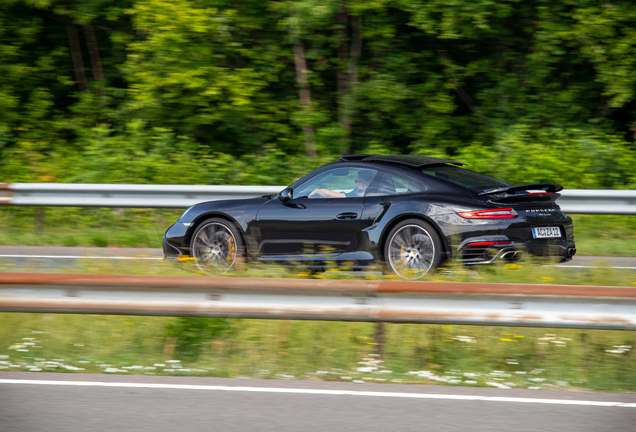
<point>310,350</point>
<point>595,235</point>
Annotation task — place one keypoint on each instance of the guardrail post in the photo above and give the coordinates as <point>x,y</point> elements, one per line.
<point>169,346</point>
<point>39,219</point>
<point>281,339</point>
<point>378,339</point>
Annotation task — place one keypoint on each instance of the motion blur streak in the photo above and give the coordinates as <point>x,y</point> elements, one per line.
<point>80,257</point>
<point>319,392</point>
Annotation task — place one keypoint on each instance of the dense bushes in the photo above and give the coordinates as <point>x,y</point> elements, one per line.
<point>253,92</point>
<point>574,157</point>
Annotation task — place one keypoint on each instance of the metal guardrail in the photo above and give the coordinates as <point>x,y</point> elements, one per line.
<point>598,201</point>
<point>573,201</point>
<point>123,195</point>
<point>562,306</point>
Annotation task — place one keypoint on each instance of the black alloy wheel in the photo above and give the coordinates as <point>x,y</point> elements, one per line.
<point>412,249</point>
<point>217,247</point>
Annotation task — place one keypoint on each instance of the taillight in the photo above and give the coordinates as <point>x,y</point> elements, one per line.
<point>503,213</point>
<point>490,243</point>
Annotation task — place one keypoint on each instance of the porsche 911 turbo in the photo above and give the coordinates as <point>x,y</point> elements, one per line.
<point>408,213</point>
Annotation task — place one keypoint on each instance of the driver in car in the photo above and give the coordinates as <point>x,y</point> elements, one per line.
<point>362,183</point>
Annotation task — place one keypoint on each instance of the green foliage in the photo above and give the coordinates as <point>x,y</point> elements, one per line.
<point>576,158</point>
<point>205,91</point>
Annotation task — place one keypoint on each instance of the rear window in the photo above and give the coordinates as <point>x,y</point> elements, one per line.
<point>464,177</point>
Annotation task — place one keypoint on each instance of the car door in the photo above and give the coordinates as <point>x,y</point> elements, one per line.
<point>322,218</point>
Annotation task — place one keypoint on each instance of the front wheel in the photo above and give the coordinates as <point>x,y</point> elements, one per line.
<point>217,247</point>
<point>413,248</point>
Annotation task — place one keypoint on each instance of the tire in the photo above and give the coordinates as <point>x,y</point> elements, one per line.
<point>412,249</point>
<point>217,247</point>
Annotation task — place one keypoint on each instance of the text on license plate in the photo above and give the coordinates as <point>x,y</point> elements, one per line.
<point>546,232</point>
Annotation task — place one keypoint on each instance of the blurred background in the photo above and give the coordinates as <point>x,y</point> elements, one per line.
<point>261,92</point>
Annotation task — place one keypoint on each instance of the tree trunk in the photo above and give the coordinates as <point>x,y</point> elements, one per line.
<point>93,52</point>
<point>343,79</point>
<point>304,94</point>
<point>347,73</point>
<point>76,55</point>
<point>96,62</point>
<point>356,49</point>
<point>602,107</point>
<point>446,60</point>
<point>352,75</point>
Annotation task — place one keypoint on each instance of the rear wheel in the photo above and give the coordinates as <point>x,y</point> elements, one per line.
<point>217,247</point>
<point>413,249</point>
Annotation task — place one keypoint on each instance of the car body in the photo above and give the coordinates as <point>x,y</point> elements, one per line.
<point>462,216</point>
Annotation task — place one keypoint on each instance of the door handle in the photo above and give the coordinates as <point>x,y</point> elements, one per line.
<point>347,216</point>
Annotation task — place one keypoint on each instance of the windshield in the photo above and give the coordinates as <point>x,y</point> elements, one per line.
<point>464,177</point>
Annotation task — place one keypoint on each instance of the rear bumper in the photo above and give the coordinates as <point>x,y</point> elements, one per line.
<point>561,250</point>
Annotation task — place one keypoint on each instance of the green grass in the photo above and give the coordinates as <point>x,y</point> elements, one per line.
<point>85,227</point>
<point>611,236</point>
<point>312,350</point>
<point>143,228</point>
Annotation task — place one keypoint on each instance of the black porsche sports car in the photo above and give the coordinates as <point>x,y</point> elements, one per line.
<point>408,212</point>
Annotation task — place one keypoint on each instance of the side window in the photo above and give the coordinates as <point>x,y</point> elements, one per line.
<point>394,185</point>
<point>336,183</point>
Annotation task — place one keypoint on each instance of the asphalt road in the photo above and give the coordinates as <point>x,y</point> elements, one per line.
<point>49,258</point>
<point>59,256</point>
<point>78,252</point>
<point>78,402</point>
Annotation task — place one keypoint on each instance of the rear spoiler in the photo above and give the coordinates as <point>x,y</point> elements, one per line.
<point>545,188</point>
<point>528,193</point>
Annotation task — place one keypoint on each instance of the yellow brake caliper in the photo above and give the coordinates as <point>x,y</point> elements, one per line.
<point>232,249</point>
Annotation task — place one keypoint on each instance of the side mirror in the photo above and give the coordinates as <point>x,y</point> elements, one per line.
<point>286,195</point>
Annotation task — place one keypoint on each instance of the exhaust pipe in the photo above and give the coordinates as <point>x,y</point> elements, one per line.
<point>513,255</point>
<point>571,252</point>
<point>508,255</point>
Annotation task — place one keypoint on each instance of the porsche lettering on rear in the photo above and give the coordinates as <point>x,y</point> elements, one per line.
<point>547,210</point>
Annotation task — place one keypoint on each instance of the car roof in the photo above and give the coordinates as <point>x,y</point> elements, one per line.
<point>414,161</point>
<point>395,165</point>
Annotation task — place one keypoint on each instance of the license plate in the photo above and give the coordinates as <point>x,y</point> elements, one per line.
<point>544,232</point>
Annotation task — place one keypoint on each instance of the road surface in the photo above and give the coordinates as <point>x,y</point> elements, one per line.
<point>77,402</point>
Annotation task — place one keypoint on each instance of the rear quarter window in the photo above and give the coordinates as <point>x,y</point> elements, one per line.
<point>395,185</point>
